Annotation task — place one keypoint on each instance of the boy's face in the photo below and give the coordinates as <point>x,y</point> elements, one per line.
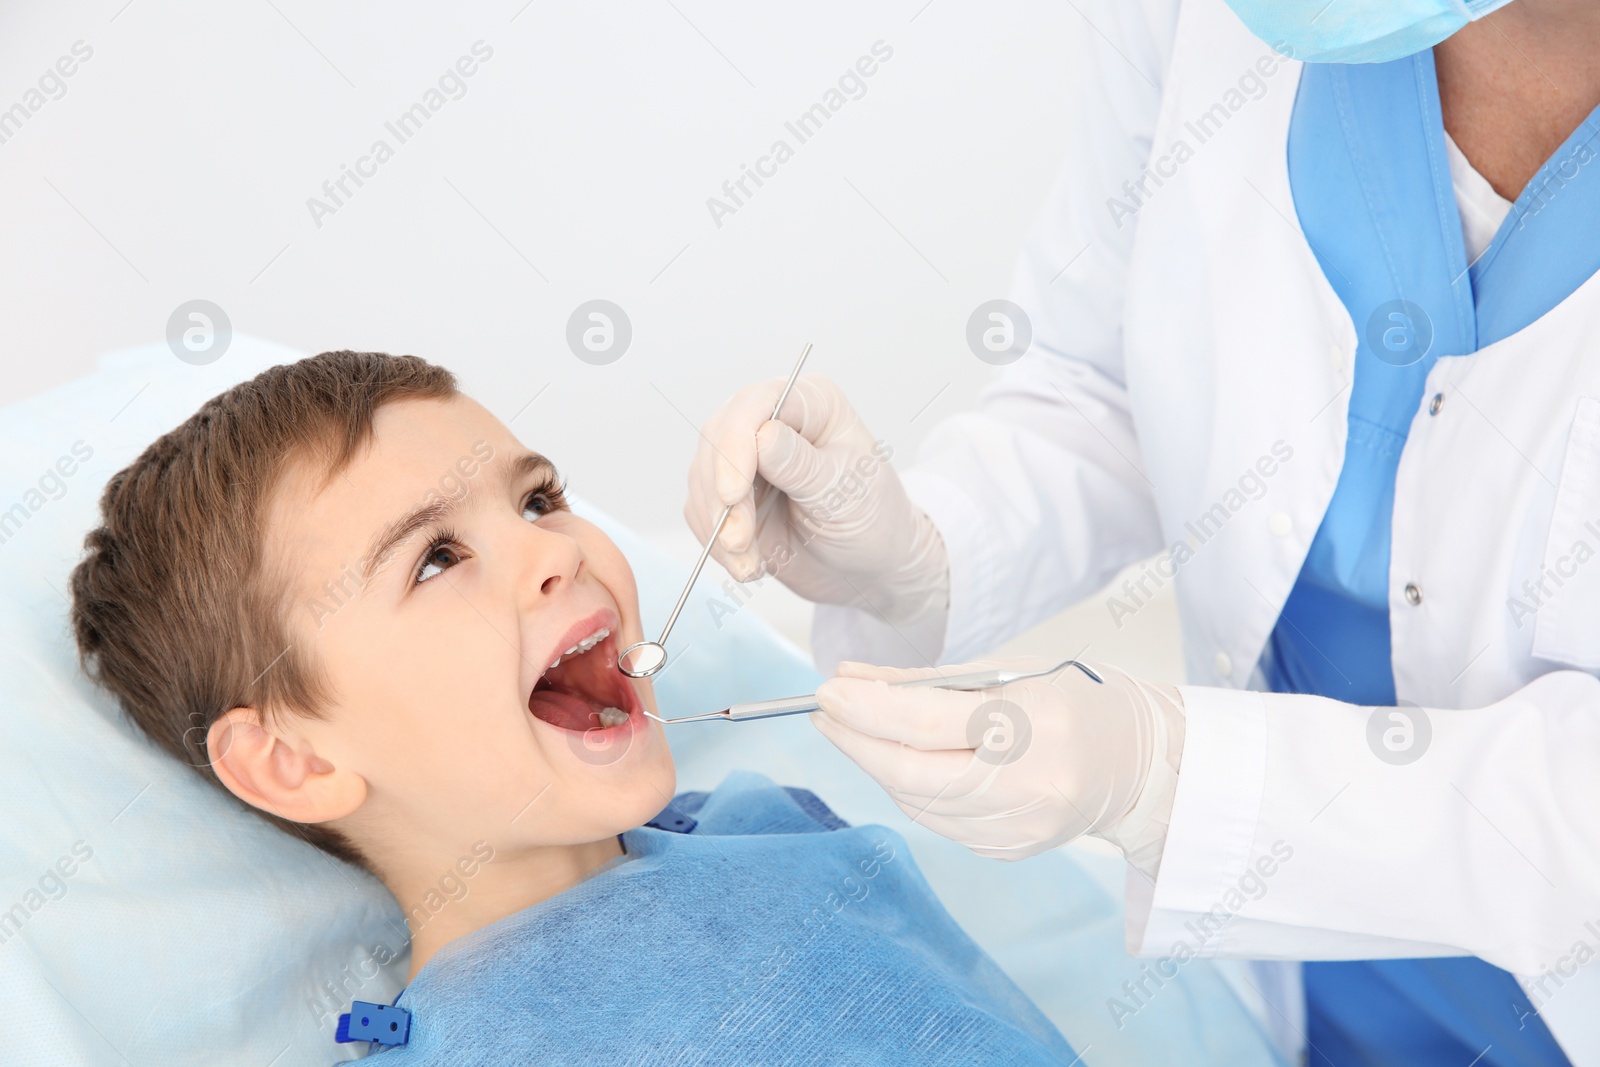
<point>436,579</point>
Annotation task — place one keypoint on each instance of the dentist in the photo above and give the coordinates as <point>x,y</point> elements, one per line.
<point>1323,332</point>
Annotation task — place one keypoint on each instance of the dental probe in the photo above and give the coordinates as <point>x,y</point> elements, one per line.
<point>644,658</point>
<point>768,709</point>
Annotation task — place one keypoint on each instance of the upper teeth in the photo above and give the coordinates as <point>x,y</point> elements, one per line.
<point>582,646</point>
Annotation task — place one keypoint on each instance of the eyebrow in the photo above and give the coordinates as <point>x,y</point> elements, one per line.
<point>403,529</point>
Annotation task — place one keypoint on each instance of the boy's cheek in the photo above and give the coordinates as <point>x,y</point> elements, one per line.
<point>408,722</point>
<point>611,568</point>
<point>456,659</point>
<point>647,696</point>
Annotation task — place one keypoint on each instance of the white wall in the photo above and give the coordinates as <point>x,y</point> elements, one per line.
<point>179,161</point>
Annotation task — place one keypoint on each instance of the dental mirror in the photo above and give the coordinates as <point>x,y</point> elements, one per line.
<point>644,658</point>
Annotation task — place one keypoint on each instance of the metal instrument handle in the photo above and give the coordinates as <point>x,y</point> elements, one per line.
<point>966,683</point>
<point>799,705</point>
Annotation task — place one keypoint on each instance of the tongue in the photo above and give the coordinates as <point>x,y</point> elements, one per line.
<point>566,710</point>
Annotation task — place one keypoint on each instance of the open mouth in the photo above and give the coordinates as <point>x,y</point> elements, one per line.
<point>584,691</point>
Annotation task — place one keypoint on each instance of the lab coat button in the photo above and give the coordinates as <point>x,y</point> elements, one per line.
<point>1279,524</point>
<point>1436,403</point>
<point>1413,594</point>
<point>1336,357</point>
<point>1224,665</point>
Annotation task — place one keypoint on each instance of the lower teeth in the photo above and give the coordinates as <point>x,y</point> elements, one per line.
<point>612,717</point>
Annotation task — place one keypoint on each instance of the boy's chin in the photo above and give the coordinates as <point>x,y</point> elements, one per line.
<point>650,792</point>
<point>626,803</point>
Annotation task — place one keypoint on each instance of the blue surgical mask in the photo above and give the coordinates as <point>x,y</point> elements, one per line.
<point>1357,31</point>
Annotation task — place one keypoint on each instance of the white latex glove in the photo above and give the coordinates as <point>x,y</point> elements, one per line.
<point>1011,772</point>
<point>816,502</point>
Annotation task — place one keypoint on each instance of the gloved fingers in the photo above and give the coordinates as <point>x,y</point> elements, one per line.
<point>739,532</point>
<point>952,826</point>
<point>793,464</point>
<point>961,828</point>
<point>816,409</point>
<point>984,837</point>
<point>723,472</point>
<point>1018,850</point>
<point>923,717</point>
<point>1003,835</point>
<point>761,553</point>
<point>903,772</point>
<point>737,563</point>
<point>726,460</point>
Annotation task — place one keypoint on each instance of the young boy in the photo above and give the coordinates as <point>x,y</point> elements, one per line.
<point>348,595</point>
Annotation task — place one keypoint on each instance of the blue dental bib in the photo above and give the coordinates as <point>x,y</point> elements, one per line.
<point>759,930</point>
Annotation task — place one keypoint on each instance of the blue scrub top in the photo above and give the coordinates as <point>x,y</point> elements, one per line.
<point>1371,183</point>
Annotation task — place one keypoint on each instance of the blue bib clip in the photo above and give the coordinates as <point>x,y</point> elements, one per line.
<point>383,1023</point>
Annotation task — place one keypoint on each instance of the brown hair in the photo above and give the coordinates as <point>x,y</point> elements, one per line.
<point>172,607</point>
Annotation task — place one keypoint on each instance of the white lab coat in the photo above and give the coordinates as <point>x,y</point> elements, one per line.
<point>1198,342</point>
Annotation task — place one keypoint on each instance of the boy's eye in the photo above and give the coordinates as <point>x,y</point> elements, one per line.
<point>440,557</point>
<point>542,502</point>
<point>446,550</point>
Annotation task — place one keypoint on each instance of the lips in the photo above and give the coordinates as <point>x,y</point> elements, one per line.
<point>574,695</point>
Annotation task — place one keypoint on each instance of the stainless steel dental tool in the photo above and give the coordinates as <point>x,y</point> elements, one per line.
<point>644,658</point>
<point>767,709</point>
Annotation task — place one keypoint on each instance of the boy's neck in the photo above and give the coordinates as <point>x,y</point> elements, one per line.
<point>503,886</point>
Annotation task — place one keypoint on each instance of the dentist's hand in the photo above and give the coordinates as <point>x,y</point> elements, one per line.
<point>1011,772</point>
<point>816,502</point>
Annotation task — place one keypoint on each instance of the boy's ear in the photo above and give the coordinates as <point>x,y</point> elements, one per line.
<point>278,771</point>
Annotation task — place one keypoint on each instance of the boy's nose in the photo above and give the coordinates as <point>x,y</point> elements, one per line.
<point>550,561</point>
